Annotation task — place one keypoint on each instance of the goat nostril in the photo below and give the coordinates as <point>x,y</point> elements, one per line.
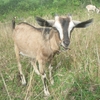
<point>66,43</point>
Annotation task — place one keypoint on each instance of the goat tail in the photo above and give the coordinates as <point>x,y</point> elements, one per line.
<point>13,23</point>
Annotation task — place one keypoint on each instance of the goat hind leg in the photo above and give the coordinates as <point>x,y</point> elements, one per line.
<point>19,65</point>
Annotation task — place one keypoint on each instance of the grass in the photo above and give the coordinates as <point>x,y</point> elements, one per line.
<point>76,78</point>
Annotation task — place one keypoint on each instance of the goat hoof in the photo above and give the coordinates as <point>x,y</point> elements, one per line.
<point>47,93</point>
<point>52,82</point>
<point>23,83</point>
<point>23,80</point>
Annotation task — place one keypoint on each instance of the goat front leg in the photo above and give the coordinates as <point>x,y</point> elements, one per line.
<point>33,62</point>
<point>50,74</point>
<point>19,65</point>
<point>43,76</point>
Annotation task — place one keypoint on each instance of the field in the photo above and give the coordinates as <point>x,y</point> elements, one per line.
<point>76,71</point>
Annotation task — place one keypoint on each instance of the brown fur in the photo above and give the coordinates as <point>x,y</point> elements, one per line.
<point>30,41</point>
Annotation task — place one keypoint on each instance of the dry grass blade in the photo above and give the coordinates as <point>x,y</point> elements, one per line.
<point>5,86</point>
<point>98,60</point>
<point>29,86</point>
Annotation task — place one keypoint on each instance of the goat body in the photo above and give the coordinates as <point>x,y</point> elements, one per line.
<point>92,8</point>
<point>31,43</point>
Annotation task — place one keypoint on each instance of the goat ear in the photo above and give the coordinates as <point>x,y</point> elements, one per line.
<point>43,22</point>
<point>84,24</point>
<point>51,22</point>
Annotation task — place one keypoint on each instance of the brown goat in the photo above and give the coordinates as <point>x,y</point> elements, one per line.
<point>41,44</point>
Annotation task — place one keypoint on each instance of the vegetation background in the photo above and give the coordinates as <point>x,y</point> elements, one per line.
<point>76,71</point>
<point>26,8</point>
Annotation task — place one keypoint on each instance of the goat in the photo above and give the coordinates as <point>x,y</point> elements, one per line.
<point>41,44</point>
<point>92,8</point>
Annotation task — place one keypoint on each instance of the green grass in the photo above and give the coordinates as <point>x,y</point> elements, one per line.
<point>77,78</point>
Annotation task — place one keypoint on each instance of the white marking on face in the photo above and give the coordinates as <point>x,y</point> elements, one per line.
<point>58,26</point>
<point>62,44</point>
<point>71,25</point>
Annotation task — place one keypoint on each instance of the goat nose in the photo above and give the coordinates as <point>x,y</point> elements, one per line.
<point>66,43</point>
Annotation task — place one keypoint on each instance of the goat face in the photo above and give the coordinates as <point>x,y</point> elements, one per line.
<point>64,25</point>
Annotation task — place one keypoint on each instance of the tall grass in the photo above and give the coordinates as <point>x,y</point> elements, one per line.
<point>77,76</point>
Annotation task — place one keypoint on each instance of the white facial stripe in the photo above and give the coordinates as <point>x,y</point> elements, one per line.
<point>71,25</point>
<point>59,28</point>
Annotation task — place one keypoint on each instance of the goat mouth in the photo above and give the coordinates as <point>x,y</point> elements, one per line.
<point>65,48</point>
